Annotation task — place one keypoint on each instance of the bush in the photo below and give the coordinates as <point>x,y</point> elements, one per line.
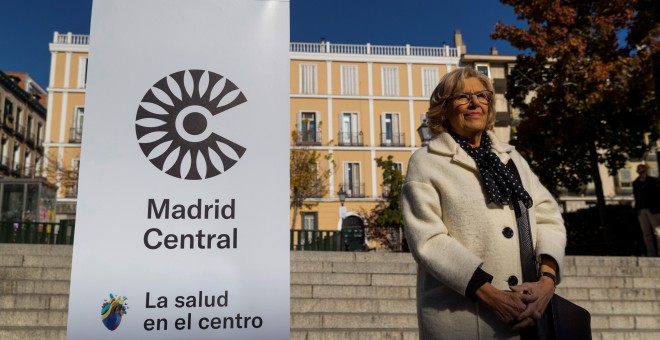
<point>586,235</point>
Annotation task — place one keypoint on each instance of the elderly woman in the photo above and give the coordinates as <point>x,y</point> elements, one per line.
<point>458,208</point>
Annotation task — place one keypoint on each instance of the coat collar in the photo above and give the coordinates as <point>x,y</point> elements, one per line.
<point>444,144</point>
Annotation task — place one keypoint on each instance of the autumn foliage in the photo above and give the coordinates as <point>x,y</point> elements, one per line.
<point>583,85</point>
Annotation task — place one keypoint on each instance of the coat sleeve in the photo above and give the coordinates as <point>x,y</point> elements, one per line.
<point>550,230</point>
<point>430,243</point>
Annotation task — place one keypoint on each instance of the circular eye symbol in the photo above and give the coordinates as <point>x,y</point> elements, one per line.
<point>175,124</point>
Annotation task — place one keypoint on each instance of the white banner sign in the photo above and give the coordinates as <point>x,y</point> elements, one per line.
<point>182,222</point>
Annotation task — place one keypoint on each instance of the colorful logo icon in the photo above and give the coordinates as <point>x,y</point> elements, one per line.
<point>112,310</point>
<point>176,124</point>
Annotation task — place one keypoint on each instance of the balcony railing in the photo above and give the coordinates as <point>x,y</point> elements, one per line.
<point>393,139</point>
<point>407,50</point>
<point>75,135</point>
<point>353,190</point>
<point>19,131</point>
<point>71,190</point>
<point>350,138</point>
<point>309,137</point>
<point>71,39</point>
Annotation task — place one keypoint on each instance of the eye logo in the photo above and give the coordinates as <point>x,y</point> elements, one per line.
<point>112,310</point>
<point>175,124</point>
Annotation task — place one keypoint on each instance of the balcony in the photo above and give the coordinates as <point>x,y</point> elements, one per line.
<point>71,39</point>
<point>368,49</point>
<point>309,137</point>
<point>19,131</point>
<point>16,169</point>
<point>29,138</point>
<point>4,164</point>
<point>353,190</point>
<point>392,139</point>
<point>75,135</point>
<point>350,138</point>
<point>71,190</point>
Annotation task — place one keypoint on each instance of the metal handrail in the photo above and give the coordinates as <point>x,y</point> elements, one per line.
<point>317,240</point>
<point>37,232</point>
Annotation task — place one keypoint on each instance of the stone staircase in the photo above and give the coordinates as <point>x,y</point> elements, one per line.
<point>336,295</point>
<point>34,291</point>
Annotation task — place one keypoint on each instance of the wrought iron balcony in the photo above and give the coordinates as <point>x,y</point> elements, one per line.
<point>393,139</point>
<point>309,137</point>
<point>75,135</point>
<point>350,138</point>
<point>353,190</point>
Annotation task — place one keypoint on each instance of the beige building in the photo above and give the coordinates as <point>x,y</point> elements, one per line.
<point>357,103</point>
<point>354,103</point>
<point>24,195</point>
<point>66,108</point>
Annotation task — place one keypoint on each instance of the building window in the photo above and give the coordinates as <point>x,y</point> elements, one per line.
<point>352,185</point>
<point>429,80</point>
<point>624,179</point>
<point>483,69</point>
<point>308,129</point>
<point>308,79</point>
<point>28,130</point>
<point>82,72</point>
<point>349,80</point>
<point>349,133</point>
<point>27,166</point>
<point>77,126</point>
<point>390,81</point>
<point>18,126</point>
<point>390,130</point>
<point>310,224</point>
<point>7,114</point>
<point>40,129</point>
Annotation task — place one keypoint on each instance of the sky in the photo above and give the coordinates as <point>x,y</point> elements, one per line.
<point>28,25</point>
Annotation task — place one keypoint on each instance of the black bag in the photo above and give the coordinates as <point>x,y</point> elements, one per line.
<point>562,319</point>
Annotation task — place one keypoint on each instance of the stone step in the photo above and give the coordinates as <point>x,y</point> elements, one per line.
<point>33,318</point>
<point>352,292</point>
<point>620,294</point>
<point>626,335</point>
<point>353,267</point>
<point>35,249</point>
<point>322,334</point>
<point>34,273</point>
<point>353,321</point>
<point>609,282</point>
<point>34,286</point>
<point>34,301</point>
<point>623,322</point>
<point>335,305</point>
<point>356,279</point>
<point>33,333</point>
<point>47,261</point>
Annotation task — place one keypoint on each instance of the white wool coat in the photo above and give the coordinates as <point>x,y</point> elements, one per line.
<point>452,231</point>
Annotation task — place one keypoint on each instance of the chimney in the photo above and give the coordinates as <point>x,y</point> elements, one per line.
<point>458,41</point>
<point>493,50</point>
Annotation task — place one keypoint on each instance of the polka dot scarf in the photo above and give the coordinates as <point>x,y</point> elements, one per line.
<point>501,186</point>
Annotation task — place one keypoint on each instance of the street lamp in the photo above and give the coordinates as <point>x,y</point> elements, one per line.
<point>342,195</point>
<point>424,133</point>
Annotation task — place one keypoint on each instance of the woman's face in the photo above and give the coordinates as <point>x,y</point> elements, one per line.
<point>469,119</point>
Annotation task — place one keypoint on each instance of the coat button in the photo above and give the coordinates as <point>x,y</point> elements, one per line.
<point>507,232</point>
<point>513,280</point>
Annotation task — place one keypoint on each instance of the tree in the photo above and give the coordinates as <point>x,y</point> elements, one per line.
<point>591,93</point>
<point>307,178</point>
<point>387,214</point>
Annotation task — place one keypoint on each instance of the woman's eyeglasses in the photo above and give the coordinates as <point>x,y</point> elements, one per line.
<point>483,97</point>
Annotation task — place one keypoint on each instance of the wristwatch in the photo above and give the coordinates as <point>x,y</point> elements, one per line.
<point>551,276</point>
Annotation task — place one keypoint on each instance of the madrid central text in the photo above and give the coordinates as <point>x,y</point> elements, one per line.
<point>154,238</point>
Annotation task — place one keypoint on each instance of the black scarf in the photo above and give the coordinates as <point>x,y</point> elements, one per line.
<point>501,186</point>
